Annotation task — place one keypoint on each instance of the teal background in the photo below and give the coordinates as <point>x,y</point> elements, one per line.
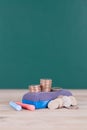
<point>43,39</point>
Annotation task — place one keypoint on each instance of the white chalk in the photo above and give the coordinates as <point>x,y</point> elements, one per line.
<point>15,106</point>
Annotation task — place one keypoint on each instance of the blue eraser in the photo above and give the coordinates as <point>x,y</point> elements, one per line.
<point>15,106</point>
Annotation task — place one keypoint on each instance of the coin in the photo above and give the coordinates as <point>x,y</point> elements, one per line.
<point>46,85</point>
<point>34,88</point>
<point>73,100</point>
<point>66,101</point>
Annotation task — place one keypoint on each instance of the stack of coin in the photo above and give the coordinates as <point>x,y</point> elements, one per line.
<point>45,85</point>
<point>34,88</point>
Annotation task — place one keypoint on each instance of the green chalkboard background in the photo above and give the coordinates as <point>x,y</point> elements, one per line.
<point>43,39</point>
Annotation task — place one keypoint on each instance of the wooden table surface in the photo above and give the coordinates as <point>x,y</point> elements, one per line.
<point>42,119</point>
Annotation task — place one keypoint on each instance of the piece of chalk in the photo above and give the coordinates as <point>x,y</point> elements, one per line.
<point>15,106</point>
<point>26,106</point>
